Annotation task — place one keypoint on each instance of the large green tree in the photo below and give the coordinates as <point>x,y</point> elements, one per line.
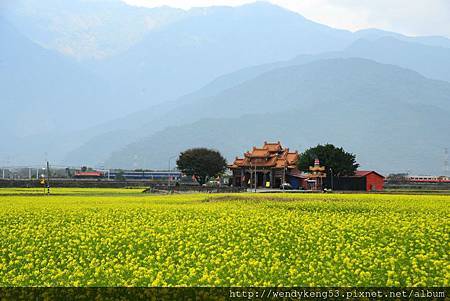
<point>341,162</point>
<point>201,163</point>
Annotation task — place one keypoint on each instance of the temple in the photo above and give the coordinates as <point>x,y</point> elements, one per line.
<point>315,176</point>
<point>268,167</point>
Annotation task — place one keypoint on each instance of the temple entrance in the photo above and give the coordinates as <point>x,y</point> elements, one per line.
<point>247,180</point>
<point>311,184</point>
<point>267,183</point>
<point>277,183</point>
<point>260,179</point>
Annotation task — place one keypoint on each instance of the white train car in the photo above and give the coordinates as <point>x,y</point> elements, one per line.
<point>429,179</point>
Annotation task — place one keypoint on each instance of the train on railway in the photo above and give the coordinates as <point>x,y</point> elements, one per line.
<point>128,175</point>
<point>428,179</point>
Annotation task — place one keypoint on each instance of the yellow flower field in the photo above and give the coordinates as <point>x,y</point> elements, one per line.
<point>95,237</point>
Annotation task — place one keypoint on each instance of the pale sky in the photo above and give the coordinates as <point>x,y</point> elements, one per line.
<point>410,17</point>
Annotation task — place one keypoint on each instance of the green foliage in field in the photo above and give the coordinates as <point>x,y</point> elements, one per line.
<point>130,239</point>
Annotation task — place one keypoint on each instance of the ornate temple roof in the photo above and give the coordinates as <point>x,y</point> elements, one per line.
<point>271,155</point>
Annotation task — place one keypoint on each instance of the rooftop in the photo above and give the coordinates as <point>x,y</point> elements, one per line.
<point>269,155</point>
<point>364,173</point>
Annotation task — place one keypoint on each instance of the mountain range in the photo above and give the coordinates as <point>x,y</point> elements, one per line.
<point>390,116</point>
<point>84,91</point>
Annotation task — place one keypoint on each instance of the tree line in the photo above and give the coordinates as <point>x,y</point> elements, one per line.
<point>204,163</point>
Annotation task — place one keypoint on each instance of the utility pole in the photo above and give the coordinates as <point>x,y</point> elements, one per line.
<point>256,180</point>
<point>331,174</point>
<point>48,178</point>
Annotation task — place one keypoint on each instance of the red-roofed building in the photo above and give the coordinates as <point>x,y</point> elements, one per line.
<point>362,180</point>
<point>272,164</point>
<point>373,180</point>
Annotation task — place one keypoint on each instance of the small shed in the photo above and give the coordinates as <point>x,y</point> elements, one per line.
<point>362,180</point>
<point>373,180</point>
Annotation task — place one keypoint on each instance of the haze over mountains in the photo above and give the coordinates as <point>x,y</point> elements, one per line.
<point>85,92</point>
<point>86,29</point>
<point>368,107</point>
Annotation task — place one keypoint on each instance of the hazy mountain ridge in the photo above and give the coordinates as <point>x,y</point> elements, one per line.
<point>233,136</point>
<point>86,29</point>
<point>94,29</point>
<point>403,53</point>
<point>188,50</point>
<point>67,101</point>
<point>431,61</point>
<point>44,91</point>
<point>350,90</point>
<point>212,42</point>
<point>372,34</point>
<point>419,87</point>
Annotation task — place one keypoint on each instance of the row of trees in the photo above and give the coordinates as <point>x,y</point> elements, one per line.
<point>203,163</point>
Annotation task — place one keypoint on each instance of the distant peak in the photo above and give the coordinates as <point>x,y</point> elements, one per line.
<point>263,8</point>
<point>266,5</point>
<point>261,4</point>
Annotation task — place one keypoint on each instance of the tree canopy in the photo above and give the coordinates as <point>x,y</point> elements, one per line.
<point>201,163</point>
<point>341,162</point>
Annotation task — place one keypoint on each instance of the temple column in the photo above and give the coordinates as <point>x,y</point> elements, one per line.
<point>271,179</point>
